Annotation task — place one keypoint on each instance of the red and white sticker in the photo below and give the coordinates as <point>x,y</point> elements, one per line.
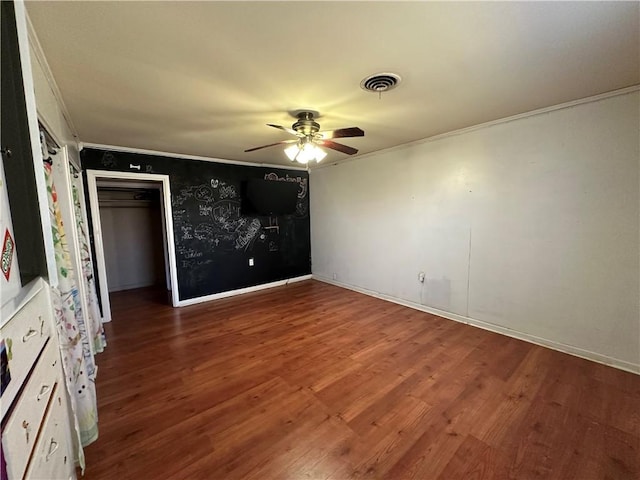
<point>8,248</point>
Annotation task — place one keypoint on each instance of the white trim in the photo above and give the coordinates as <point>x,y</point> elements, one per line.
<point>132,185</point>
<point>92,177</point>
<point>240,291</point>
<point>302,278</point>
<point>558,346</point>
<point>99,248</point>
<point>34,137</point>
<point>166,255</point>
<point>116,148</point>
<point>460,131</point>
<point>42,60</point>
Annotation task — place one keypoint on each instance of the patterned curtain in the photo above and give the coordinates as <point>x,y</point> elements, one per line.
<point>78,363</point>
<point>93,315</point>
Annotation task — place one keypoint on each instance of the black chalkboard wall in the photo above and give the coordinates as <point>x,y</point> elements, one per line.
<point>214,240</point>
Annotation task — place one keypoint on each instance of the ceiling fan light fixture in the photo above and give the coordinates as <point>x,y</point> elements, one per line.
<point>292,152</point>
<point>305,153</point>
<point>309,139</point>
<point>320,154</point>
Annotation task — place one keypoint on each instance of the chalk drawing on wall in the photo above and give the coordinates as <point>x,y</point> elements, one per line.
<point>209,214</point>
<point>108,160</point>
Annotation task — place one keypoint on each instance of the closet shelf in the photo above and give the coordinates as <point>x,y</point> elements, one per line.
<point>125,203</point>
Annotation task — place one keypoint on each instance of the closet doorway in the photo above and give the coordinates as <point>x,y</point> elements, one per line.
<point>133,234</point>
<point>131,219</point>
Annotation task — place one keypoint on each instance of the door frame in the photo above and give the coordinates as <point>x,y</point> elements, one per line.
<point>149,185</point>
<point>92,177</point>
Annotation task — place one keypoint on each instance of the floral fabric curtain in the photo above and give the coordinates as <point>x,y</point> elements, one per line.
<point>78,362</point>
<point>93,315</point>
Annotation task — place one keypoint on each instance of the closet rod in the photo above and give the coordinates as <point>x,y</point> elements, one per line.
<point>48,144</point>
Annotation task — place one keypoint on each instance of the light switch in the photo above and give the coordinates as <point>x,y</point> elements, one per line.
<point>251,262</point>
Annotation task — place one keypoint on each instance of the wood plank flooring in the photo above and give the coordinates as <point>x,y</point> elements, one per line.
<point>310,381</point>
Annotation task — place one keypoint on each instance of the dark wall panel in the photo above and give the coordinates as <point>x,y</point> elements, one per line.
<point>17,156</point>
<point>214,239</point>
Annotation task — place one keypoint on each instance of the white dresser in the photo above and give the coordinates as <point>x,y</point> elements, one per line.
<point>35,416</point>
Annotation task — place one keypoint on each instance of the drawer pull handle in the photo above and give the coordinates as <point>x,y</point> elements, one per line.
<point>41,324</point>
<point>43,391</point>
<point>53,446</point>
<point>30,334</point>
<point>27,429</point>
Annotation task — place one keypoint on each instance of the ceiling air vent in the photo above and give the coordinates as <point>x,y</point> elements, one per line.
<point>380,82</point>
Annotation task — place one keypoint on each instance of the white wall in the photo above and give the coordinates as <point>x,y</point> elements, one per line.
<point>529,227</point>
<point>132,241</point>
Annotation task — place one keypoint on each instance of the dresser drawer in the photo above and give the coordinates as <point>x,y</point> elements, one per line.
<point>20,432</point>
<point>24,335</point>
<point>51,460</point>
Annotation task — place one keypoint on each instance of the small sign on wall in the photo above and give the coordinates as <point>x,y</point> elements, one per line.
<point>8,247</point>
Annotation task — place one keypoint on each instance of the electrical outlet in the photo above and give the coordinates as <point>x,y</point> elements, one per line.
<point>421,277</point>
<point>335,276</point>
<point>251,262</point>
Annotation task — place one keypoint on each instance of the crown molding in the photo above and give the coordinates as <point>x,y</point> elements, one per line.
<point>520,116</point>
<point>115,148</point>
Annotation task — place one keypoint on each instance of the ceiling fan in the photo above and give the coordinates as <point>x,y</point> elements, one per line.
<point>310,139</point>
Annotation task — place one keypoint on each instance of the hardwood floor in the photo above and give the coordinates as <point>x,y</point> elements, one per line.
<point>313,381</point>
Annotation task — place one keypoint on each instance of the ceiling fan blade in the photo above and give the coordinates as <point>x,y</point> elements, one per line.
<point>271,145</point>
<point>288,130</point>
<point>342,133</point>
<point>338,146</point>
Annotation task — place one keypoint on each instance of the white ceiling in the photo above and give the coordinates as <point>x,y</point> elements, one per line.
<point>204,78</point>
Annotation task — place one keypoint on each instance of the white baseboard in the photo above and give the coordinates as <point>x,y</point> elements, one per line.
<point>560,347</point>
<point>240,291</point>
